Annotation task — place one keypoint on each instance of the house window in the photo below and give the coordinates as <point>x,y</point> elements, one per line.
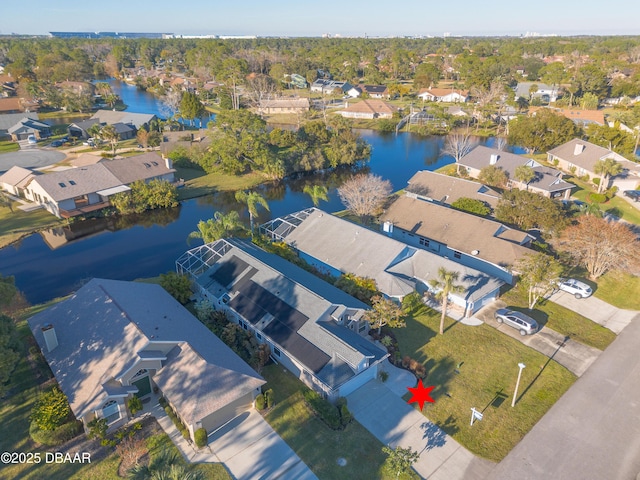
<point>457,255</point>
<point>140,373</point>
<point>243,325</point>
<point>258,336</point>
<point>276,351</point>
<point>111,411</point>
<point>362,327</point>
<point>424,241</point>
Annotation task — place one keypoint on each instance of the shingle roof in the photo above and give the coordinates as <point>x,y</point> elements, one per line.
<point>28,123</point>
<point>110,117</point>
<point>458,230</point>
<point>575,114</point>
<point>138,167</point>
<point>447,189</point>
<point>10,104</point>
<point>285,103</point>
<point>16,175</point>
<point>105,323</point>
<point>8,120</point>
<point>588,154</point>
<point>373,106</point>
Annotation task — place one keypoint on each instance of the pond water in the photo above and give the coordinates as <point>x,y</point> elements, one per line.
<point>55,262</point>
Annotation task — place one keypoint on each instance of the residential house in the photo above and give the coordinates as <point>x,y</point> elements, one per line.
<point>580,157</point>
<point>547,181</point>
<point>125,131</point>
<point>452,95</point>
<point>376,91</point>
<point>335,246</point>
<point>298,81</point>
<point>445,190</point>
<point>138,120</point>
<point>545,93</point>
<point>81,129</point>
<point>313,329</point>
<point>327,87</point>
<point>16,179</point>
<point>576,115</point>
<point>76,191</point>
<point>8,120</point>
<point>27,127</point>
<point>112,340</point>
<point>11,105</point>
<point>368,108</point>
<point>283,105</point>
<point>476,242</point>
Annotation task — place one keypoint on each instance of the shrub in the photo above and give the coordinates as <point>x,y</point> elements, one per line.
<point>200,437</point>
<point>345,415</point>
<point>51,409</point>
<point>386,340</point>
<point>97,428</point>
<point>413,364</point>
<point>179,286</point>
<point>185,433</point>
<point>471,205</point>
<point>327,412</point>
<point>260,402</point>
<point>596,181</point>
<point>597,197</point>
<point>268,397</point>
<point>420,370</point>
<point>134,404</point>
<point>58,436</point>
<point>405,361</point>
<point>384,376</point>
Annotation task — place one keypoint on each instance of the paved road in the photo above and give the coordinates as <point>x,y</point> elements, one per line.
<point>394,422</point>
<point>33,158</point>
<point>593,431</point>
<point>595,309</point>
<point>572,355</point>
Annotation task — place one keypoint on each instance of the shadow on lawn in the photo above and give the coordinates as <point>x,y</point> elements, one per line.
<point>439,374</point>
<point>566,339</point>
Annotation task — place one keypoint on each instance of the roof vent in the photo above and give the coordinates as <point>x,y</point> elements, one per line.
<point>475,252</point>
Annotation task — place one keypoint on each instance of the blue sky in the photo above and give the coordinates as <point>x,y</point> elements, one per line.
<point>309,18</point>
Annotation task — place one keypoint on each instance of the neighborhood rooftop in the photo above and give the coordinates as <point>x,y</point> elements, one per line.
<point>447,189</point>
<point>113,116</point>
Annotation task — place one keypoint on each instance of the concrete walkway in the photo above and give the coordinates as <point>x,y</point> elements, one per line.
<point>247,446</point>
<point>379,408</point>
<point>615,319</point>
<point>574,356</point>
<point>593,431</point>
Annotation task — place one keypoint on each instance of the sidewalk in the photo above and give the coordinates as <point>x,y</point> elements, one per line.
<point>381,410</point>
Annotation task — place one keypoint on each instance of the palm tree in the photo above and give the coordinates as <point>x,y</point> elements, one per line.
<point>166,465</point>
<point>317,193</point>
<point>220,226</point>
<point>109,134</point>
<point>252,200</point>
<point>445,284</point>
<point>606,168</point>
<point>525,174</point>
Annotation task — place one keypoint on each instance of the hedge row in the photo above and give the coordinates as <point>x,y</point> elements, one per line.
<point>177,422</point>
<point>335,417</point>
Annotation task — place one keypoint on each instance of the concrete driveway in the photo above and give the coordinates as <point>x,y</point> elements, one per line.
<point>595,309</point>
<point>251,449</point>
<point>572,355</point>
<point>32,158</point>
<point>593,431</point>
<point>394,422</point>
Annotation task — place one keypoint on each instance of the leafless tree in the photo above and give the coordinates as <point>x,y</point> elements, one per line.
<point>501,143</point>
<point>458,145</point>
<point>485,97</point>
<point>170,104</point>
<point>260,88</point>
<point>364,195</point>
<point>600,245</point>
<point>634,54</point>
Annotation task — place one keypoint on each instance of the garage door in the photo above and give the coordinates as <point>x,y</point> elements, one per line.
<point>214,421</point>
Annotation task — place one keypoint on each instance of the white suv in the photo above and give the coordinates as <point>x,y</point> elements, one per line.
<point>575,287</point>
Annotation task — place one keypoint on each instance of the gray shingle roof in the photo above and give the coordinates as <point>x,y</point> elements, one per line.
<point>16,175</point>
<point>105,323</point>
<point>28,124</point>
<point>8,120</point>
<point>588,155</point>
<point>447,189</point>
<point>139,167</point>
<point>110,117</point>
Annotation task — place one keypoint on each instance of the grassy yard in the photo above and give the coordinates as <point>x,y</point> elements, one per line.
<point>563,320</point>
<point>488,364</point>
<point>616,206</point>
<point>620,290</point>
<point>9,147</point>
<point>15,225</point>
<point>317,445</point>
<point>199,183</point>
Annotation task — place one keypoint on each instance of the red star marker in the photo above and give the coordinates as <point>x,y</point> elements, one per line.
<point>421,394</point>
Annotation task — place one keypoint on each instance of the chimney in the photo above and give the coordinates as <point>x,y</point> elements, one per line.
<point>50,337</point>
<point>578,149</point>
<point>168,162</point>
<point>494,159</point>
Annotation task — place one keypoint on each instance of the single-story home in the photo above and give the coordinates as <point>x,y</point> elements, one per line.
<point>283,105</point>
<point>125,131</point>
<point>28,126</point>
<point>452,95</point>
<point>368,108</point>
<point>336,246</point>
<point>544,92</point>
<point>8,120</point>
<point>547,181</point>
<point>11,105</point>
<point>138,120</point>
<point>376,91</point>
<point>76,191</point>
<point>81,129</point>
<point>445,189</point>
<point>476,242</point>
<point>313,329</point>
<point>579,157</point>
<point>112,340</point>
<point>578,116</point>
<point>16,179</point>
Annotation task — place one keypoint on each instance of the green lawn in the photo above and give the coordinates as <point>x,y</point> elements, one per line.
<point>616,206</point>
<point>15,225</point>
<point>199,183</point>
<point>620,290</point>
<point>9,147</point>
<point>488,364</point>
<point>317,445</point>
<point>563,320</point>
